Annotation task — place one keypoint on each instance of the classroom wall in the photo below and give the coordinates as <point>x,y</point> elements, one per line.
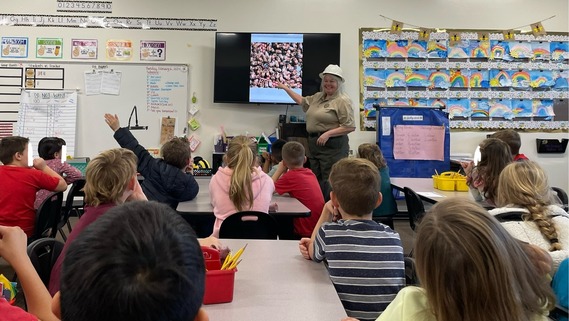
<point>196,48</point>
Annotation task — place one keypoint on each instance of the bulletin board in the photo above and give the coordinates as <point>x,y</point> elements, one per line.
<point>414,141</point>
<point>482,80</point>
<point>158,91</point>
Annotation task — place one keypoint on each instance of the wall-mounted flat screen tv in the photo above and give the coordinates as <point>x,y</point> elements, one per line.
<point>247,65</point>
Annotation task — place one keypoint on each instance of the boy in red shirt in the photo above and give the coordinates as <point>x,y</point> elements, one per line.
<point>19,183</point>
<point>300,183</point>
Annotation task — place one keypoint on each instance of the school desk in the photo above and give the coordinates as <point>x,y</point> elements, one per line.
<point>201,205</point>
<point>200,211</point>
<point>274,282</point>
<point>424,188</point>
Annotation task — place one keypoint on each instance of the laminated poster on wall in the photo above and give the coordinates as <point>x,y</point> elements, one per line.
<point>119,50</point>
<point>194,124</point>
<point>194,143</point>
<point>49,48</point>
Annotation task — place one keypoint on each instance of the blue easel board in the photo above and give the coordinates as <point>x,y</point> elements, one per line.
<point>393,116</point>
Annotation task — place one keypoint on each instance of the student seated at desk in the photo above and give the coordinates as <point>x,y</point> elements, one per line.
<point>271,160</point>
<point>523,188</point>
<point>165,180</point>
<point>141,262</point>
<point>49,148</point>
<point>365,258</point>
<point>372,153</point>
<point>512,138</point>
<point>242,185</point>
<point>482,179</point>
<point>19,183</point>
<point>301,183</point>
<point>471,269</point>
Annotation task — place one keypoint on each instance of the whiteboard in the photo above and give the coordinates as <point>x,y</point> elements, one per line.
<point>158,90</point>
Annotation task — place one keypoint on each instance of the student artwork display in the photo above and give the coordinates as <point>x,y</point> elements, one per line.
<point>489,83</point>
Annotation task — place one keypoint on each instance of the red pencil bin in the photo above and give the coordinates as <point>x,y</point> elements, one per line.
<point>219,284</point>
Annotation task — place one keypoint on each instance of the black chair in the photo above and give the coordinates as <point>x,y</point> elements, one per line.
<point>249,225</point>
<point>70,207</point>
<point>562,195</point>
<point>410,273</point>
<point>415,207</point>
<point>44,253</point>
<point>48,216</point>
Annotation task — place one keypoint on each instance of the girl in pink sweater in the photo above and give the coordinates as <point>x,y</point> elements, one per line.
<point>241,185</point>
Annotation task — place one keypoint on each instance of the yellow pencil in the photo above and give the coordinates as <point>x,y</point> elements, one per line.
<point>226,261</point>
<point>235,257</point>
<point>234,265</point>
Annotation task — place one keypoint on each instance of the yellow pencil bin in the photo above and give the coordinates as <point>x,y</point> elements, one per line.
<point>450,181</point>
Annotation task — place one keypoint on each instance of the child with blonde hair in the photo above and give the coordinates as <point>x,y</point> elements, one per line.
<point>471,269</point>
<point>241,185</point>
<point>388,206</point>
<point>523,188</point>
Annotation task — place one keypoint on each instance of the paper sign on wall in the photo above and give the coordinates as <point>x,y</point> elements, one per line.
<point>167,129</point>
<point>418,142</point>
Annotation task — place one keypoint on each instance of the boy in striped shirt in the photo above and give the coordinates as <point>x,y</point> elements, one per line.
<point>364,258</point>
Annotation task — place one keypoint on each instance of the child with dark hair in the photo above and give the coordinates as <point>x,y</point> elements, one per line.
<point>372,153</point>
<point>291,177</point>
<point>365,258</point>
<point>19,183</point>
<point>512,138</point>
<point>50,148</point>
<point>142,262</point>
<point>166,180</point>
<point>272,160</point>
<point>483,178</point>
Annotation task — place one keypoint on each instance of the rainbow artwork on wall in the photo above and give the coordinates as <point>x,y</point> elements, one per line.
<point>500,78</point>
<point>460,50</point>
<point>417,49</point>
<point>369,108</point>
<point>459,108</point>
<point>543,108</point>
<point>394,78</point>
<point>459,78</point>
<point>374,77</point>
<point>540,50</point>
<point>397,49</point>
<point>501,108</point>
<point>439,103</point>
<point>418,102</point>
<point>479,49</point>
<point>541,79</point>
<point>440,79</point>
<point>418,78</point>
<point>397,102</point>
<point>500,50</point>
<point>559,50</point>
<point>437,49</point>
<point>479,79</point>
<point>560,77</point>
<point>522,108</point>
<point>519,49</point>
<point>374,48</point>
<point>480,108</point>
<point>520,79</point>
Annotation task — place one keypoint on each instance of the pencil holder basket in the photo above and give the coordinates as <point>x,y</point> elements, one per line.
<point>450,181</point>
<point>219,284</point>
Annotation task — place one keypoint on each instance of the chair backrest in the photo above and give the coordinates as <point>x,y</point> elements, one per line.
<point>74,191</point>
<point>43,254</point>
<point>249,225</point>
<point>562,195</point>
<point>410,272</point>
<point>48,216</point>
<point>415,207</point>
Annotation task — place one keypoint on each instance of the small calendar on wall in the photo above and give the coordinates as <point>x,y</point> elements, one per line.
<point>482,82</point>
